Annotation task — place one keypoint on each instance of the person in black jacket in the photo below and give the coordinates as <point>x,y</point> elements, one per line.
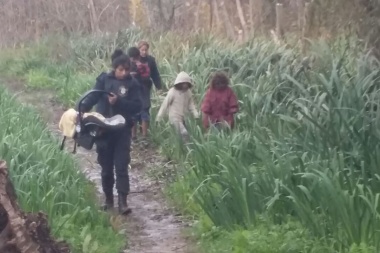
<point>154,78</point>
<point>114,149</point>
<point>141,71</point>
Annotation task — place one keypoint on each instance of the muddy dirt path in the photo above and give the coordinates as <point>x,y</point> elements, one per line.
<point>152,227</point>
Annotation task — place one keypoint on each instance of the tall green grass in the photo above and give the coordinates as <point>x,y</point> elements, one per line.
<point>49,180</point>
<point>306,144</point>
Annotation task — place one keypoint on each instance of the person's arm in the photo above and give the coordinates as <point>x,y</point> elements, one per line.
<point>165,105</point>
<point>233,107</point>
<point>132,104</point>
<point>206,105</point>
<point>133,71</point>
<point>155,74</point>
<point>233,103</point>
<point>93,98</point>
<point>192,108</point>
<point>206,110</point>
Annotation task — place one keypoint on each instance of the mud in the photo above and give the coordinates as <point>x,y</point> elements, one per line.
<point>153,226</point>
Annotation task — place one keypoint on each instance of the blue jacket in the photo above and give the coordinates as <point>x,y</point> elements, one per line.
<point>127,90</point>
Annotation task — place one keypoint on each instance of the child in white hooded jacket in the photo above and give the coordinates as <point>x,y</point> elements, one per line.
<point>178,103</point>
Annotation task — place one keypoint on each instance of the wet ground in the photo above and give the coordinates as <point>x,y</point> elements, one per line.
<point>152,227</point>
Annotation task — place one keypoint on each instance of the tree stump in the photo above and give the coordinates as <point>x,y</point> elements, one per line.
<point>23,232</point>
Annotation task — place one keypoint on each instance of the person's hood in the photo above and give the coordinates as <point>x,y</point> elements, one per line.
<point>183,77</point>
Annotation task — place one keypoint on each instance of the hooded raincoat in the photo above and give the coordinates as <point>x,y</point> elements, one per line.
<point>178,103</point>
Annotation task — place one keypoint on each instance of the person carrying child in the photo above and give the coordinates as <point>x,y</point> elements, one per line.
<point>114,149</point>
<point>147,73</point>
<point>220,103</point>
<point>178,103</point>
<point>141,71</point>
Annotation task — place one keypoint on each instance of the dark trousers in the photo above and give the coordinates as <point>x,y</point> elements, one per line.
<point>114,154</point>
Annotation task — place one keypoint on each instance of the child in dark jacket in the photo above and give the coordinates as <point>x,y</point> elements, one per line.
<point>220,103</point>
<point>141,71</point>
<point>146,64</point>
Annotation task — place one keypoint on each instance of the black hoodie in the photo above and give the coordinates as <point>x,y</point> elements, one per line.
<point>127,90</point>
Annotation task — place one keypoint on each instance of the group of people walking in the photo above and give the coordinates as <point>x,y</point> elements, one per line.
<point>130,82</point>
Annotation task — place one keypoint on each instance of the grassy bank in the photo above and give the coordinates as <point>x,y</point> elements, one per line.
<point>299,174</point>
<point>47,179</point>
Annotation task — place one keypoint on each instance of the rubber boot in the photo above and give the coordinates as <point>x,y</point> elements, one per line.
<point>123,206</point>
<point>108,204</point>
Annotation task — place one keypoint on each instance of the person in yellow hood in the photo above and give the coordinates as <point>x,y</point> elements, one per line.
<point>178,103</point>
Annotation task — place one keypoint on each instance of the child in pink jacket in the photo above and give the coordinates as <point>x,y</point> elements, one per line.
<point>220,103</point>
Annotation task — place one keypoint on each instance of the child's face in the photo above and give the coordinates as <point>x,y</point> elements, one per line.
<point>184,86</point>
<point>121,72</point>
<point>220,85</point>
<point>143,51</point>
<point>134,59</point>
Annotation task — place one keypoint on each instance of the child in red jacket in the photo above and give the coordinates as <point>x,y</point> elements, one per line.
<point>220,102</point>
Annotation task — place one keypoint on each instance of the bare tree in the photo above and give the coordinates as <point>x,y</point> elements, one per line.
<point>197,13</point>
<point>93,17</point>
<point>25,20</point>
<point>226,20</point>
<point>242,18</point>
<point>215,9</point>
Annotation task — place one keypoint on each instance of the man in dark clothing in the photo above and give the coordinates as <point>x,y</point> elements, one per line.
<point>114,148</point>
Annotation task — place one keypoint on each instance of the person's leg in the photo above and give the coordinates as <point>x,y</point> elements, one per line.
<point>145,118</point>
<point>185,134</point>
<point>214,128</point>
<point>105,160</point>
<point>220,126</point>
<point>122,159</point>
<point>182,131</point>
<point>145,127</point>
<point>136,122</point>
<point>134,131</point>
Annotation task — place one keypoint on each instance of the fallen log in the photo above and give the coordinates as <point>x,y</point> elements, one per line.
<point>23,232</point>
